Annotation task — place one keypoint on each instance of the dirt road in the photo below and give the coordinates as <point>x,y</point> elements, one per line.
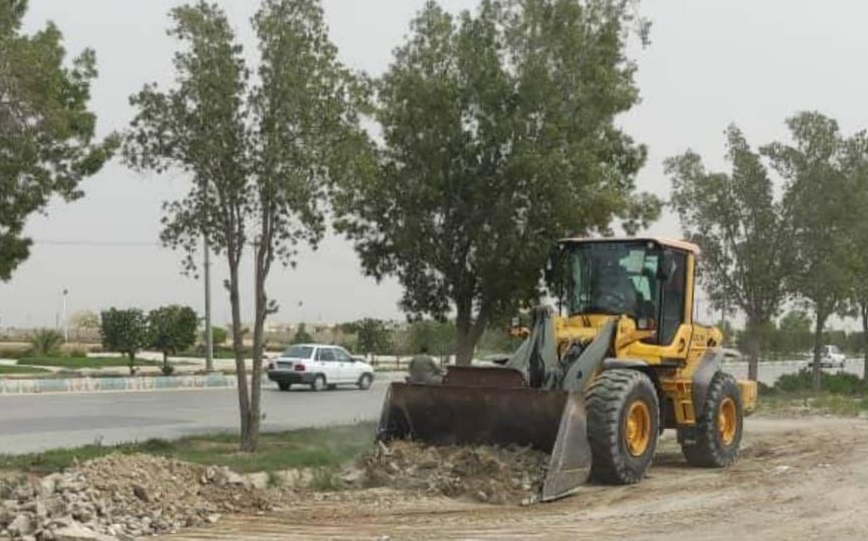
<point>802,478</point>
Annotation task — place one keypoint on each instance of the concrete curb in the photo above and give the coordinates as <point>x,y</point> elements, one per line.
<point>109,384</point>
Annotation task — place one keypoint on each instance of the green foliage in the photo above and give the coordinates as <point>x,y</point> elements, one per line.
<point>497,340</point>
<point>325,479</point>
<point>172,329</point>
<point>48,144</point>
<point>46,342</point>
<point>841,383</point>
<point>818,206</point>
<point>740,226</point>
<point>260,155</point>
<point>498,139</point>
<point>24,369</point>
<point>855,165</point>
<point>124,331</point>
<point>438,337</point>
<point>302,336</point>
<point>372,336</point>
<point>77,363</point>
<point>310,447</point>
<point>795,321</point>
<point>219,335</point>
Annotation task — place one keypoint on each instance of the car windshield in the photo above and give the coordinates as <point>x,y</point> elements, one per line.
<point>613,278</point>
<point>298,352</point>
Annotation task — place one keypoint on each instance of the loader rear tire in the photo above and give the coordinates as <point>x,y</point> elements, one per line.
<point>719,428</point>
<point>623,425</point>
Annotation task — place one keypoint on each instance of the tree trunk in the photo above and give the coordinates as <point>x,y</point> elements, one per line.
<point>132,359</point>
<point>165,361</point>
<point>238,347</point>
<point>468,333</point>
<point>753,349</point>
<point>753,360</point>
<point>816,372</point>
<point>261,309</point>
<point>864,309</point>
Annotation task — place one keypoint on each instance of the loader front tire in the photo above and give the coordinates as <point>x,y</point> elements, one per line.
<point>623,425</point>
<point>719,428</point>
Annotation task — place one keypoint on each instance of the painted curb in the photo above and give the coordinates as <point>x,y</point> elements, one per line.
<point>95,385</point>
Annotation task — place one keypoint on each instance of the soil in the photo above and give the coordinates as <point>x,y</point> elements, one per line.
<point>487,474</point>
<point>797,479</point>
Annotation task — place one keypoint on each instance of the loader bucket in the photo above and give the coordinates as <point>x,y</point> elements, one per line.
<point>493,406</point>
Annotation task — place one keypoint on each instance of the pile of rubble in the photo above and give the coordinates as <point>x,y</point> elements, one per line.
<point>121,497</point>
<point>501,475</point>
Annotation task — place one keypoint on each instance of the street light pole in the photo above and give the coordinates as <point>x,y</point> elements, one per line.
<point>63,316</point>
<point>209,337</point>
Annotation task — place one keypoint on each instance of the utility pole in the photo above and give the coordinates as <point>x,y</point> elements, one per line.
<point>63,316</point>
<point>209,337</point>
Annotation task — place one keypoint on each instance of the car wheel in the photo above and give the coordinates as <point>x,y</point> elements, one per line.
<point>284,386</point>
<point>319,383</point>
<point>365,382</point>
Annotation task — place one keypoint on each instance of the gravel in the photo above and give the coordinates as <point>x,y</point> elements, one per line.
<point>120,497</point>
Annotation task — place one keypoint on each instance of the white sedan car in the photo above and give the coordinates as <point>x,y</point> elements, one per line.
<point>830,357</point>
<point>320,366</point>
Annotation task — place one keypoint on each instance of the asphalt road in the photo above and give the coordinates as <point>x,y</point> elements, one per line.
<point>31,423</point>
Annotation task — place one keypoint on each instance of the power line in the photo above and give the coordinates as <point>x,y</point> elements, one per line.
<point>55,242</point>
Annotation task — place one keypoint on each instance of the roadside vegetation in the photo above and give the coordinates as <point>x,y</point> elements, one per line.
<point>842,395</point>
<point>78,363</point>
<point>323,449</point>
<point>6,370</point>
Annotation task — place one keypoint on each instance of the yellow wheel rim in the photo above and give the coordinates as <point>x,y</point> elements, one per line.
<point>637,431</point>
<point>727,421</point>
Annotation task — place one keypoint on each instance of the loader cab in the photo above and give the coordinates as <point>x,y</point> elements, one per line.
<point>648,280</point>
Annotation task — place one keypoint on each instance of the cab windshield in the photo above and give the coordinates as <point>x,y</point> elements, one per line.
<point>613,278</point>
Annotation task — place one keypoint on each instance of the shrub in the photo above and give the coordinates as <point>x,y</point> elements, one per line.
<point>844,384</point>
<point>46,342</point>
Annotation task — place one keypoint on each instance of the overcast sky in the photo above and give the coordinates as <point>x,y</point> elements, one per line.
<point>710,62</point>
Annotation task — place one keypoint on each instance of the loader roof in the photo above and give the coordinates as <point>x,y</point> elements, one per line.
<point>672,243</point>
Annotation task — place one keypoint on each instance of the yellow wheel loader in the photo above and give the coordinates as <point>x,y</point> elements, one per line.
<point>595,383</point>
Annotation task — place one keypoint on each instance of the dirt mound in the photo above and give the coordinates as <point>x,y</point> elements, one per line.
<point>487,474</point>
<point>124,496</point>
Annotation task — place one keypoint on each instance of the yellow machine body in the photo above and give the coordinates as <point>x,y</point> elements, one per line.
<point>595,382</point>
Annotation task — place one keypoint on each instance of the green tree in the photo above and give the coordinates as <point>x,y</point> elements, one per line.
<point>124,331</point>
<point>372,336</point>
<point>172,329</point>
<point>818,208</point>
<point>499,138</point>
<point>85,320</point>
<point>260,155</point>
<point>739,224</point>
<point>439,337</point>
<point>302,336</point>
<point>855,165</point>
<point>48,143</point>
<point>218,335</point>
<point>795,321</point>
